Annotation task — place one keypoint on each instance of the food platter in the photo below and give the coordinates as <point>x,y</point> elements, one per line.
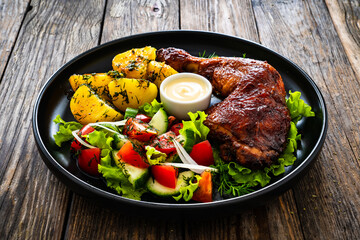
<point>53,100</point>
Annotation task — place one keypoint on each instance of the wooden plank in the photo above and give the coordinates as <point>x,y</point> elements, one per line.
<point>229,17</point>
<point>11,16</point>
<point>33,202</point>
<point>124,18</point>
<point>328,197</point>
<point>346,18</point>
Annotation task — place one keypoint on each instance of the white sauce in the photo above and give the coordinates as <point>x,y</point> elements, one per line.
<point>185,89</point>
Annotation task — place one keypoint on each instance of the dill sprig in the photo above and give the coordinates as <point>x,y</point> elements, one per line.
<point>227,185</point>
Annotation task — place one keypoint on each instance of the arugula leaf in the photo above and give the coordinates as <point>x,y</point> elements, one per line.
<point>154,156</point>
<point>187,192</point>
<point>65,130</point>
<point>115,177</point>
<point>297,107</point>
<point>194,130</point>
<point>150,109</point>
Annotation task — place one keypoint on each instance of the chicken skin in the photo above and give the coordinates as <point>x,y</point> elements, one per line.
<point>251,124</point>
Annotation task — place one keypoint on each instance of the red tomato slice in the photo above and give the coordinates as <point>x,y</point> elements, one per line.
<point>165,175</point>
<point>143,117</point>
<point>75,145</point>
<point>164,144</point>
<point>176,128</point>
<point>86,130</point>
<point>202,153</point>
<point>89,159</point>
<point>204,191</point>
<point>138,130</point>
<point>133,154</point>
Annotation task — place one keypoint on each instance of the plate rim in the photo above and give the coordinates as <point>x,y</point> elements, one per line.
<point>161,205</point>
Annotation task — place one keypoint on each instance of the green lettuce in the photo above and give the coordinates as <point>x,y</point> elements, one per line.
<point>150,109</point>
<point>194,130</point>
<point>115,177</point>
<point>187,192</point>
<point>65,130</point>
<point>154,156</point>
<point>100,139</point>
<point>297,107</point>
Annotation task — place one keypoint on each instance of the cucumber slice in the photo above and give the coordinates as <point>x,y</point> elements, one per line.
<point>160,190</point>
<point>160,121</point>
<point>120,140</point>
<point>136,176</point>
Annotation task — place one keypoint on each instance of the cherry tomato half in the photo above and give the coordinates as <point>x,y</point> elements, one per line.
<point>89,159</point>
<point>164,144</point>
<point>133,154</point>
<point>165,175</point>
<point>136,129</point>
<point>176,128</point>
<point>202,153</point>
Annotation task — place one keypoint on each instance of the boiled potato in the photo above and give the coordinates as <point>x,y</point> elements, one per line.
<point>97,81</point>
<point>88,107</point>
<point>126,92</point>
<point>133,63</point>
<point>158,71</point>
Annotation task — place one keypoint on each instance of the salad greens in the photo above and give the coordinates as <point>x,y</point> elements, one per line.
<point>116,179</point>
<point>194,130</point>
<point>65,130</point>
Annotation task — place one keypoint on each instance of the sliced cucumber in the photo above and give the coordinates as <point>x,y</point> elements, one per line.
<point>160,190</point>
<point>160,121</point>
<point>119,140</point>
<point>136,176</point>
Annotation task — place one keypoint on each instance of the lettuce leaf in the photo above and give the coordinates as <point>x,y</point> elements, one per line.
<point>100,139</point>
<point>297,107</point>
<point>115,177</point>
<point>154,156</point>
<point>65,130</point>
<point>187,192</point>
<point>194,130</point>
<point>150,109</point>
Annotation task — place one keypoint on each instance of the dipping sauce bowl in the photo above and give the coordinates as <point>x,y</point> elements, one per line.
<point>185,92</point>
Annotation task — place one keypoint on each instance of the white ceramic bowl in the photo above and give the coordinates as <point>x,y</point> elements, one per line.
<point>180,109</point>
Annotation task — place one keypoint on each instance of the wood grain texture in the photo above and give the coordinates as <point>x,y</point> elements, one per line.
<point>11,16</point>
<point>223,16</point>
<point>303,31</point>
<point>32,200</point>
<point>124,18</point>
<point>346,18</point>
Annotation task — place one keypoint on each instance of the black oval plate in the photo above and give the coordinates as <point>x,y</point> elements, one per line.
<point>52,101</point>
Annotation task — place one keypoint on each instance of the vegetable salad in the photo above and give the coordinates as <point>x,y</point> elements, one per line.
<point>150,152</point>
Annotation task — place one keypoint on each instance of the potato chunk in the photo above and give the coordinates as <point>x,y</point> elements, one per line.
<point>132,93</point>
<point>133,63</point>
<point>158,71</point>
<point>97,81</point>
<point>88,107</point>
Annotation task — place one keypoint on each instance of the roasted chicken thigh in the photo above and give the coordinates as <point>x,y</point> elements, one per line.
<point>251,124</point>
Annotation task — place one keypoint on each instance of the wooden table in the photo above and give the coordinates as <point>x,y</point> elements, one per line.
<point>321,36</point>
